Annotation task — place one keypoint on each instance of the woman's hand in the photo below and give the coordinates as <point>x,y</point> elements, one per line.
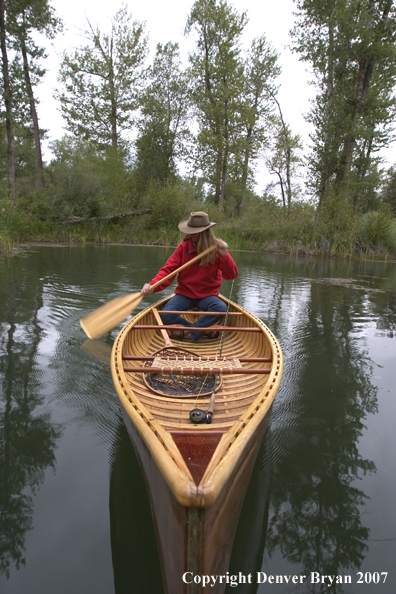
<point>146,289</point>
<point>221,246</point>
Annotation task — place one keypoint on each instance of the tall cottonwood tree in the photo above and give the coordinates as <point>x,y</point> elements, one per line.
<point>25,19</point>
<point>102,81</point>
<point>285,156</point>
<point>21,20</point>
<point>7,96</point>
<point>350,45</point>
<point>260,72</point>
<point>232,93</point>
<point>217,72</point>
<point>163,125</point>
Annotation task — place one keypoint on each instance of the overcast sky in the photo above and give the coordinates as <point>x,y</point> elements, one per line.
<point>165,21</point>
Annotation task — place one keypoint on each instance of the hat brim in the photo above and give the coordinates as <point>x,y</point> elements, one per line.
<point>186,228</point>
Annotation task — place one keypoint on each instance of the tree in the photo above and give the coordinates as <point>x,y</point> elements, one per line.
<point>389,189</point>
<point>26,17</point>
<point>284,157</point>
<point>163,126</point>
<point>217,70</point>
<point>89,182</point>
<point>7,101</point>
<point>102,81</point>
<point>260,72</point>
<point>351,48</point>
<point>233,97</point>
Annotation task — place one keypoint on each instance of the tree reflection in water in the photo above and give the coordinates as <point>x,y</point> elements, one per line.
<point>27,435</point>
<point>316,506</point>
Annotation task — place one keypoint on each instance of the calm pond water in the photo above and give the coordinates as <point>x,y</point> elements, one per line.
<point>74,514</point>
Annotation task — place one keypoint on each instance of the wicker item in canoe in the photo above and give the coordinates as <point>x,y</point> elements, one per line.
<point>197,474</point>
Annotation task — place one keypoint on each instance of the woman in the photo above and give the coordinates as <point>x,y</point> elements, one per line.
<point>199,284</point>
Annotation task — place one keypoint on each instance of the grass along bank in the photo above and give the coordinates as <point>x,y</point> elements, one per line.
<point>262,226</point>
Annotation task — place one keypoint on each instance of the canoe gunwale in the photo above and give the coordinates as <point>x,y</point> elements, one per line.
<point>231,445</point>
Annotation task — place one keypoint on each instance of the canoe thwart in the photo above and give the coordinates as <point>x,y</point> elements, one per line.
<point>209,329</point>
<point>196,312</point>
<point>200,358</point>
<point>195,370</point>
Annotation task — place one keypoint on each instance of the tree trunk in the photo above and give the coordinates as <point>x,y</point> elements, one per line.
<point>219,166</point>
<point>223,178</point>
<point>33,113</point>
<point>245,169</point>
<point>113,115</point>
<point>116,217</point>
<point>288,178</point>
<point>324,175</point>
<point>282,188</point>
<point>225,155</point>
<point>8,105</point>
<point>366,68</point>
<point>287,159</point>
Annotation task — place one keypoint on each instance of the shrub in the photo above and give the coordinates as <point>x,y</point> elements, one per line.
<point>377,229</point>
<point>37,204</point>
<point>169,204</point>
<point>12,224</point>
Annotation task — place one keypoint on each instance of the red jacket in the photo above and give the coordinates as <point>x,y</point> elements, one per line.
<point>195,281</point>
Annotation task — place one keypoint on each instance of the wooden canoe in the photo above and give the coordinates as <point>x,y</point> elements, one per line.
<point>197,475</point>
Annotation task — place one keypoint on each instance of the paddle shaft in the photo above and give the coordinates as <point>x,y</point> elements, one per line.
<point>172,274</point>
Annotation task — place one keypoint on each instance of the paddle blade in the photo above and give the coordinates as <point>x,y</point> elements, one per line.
<point>97,349</point>
<point>109,315</point>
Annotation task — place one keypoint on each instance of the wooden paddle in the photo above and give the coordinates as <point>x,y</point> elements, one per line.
<point>111,314</point>
<point>97,349</point>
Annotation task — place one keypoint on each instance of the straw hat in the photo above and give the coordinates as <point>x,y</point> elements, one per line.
<point>195,223</point>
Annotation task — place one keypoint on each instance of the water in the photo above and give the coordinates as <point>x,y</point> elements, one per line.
<point>74,514</point>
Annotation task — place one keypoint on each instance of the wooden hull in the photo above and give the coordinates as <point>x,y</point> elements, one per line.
<point>197,475</point>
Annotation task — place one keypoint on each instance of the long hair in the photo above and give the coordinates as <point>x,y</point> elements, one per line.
<point>205,239</point>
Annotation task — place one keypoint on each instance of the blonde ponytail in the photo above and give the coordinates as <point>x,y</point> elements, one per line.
<point>205,239</point>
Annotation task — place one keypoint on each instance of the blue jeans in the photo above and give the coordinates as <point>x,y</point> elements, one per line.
<point>181,303</point>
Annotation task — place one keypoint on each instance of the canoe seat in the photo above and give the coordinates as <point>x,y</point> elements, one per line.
<point>195,364</point>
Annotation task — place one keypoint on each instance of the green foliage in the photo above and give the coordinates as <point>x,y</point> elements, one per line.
<point>284,160</point>
<point>11,224</point>
<point>232,94</point>
<point>260,71</point>
<point>336,211</point>
<point>376,229</point>
<point>163,126</point>
<point>86,183</point>
<point>102,82</point>
<point>351,48</point>
<point>389,189</point>
<point>169,203</point>
<point>217,76</point>
<point>24,21</point>
<point>37,204</point>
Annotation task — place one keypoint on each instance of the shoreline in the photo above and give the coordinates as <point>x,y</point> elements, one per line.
<point>299,251</point>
